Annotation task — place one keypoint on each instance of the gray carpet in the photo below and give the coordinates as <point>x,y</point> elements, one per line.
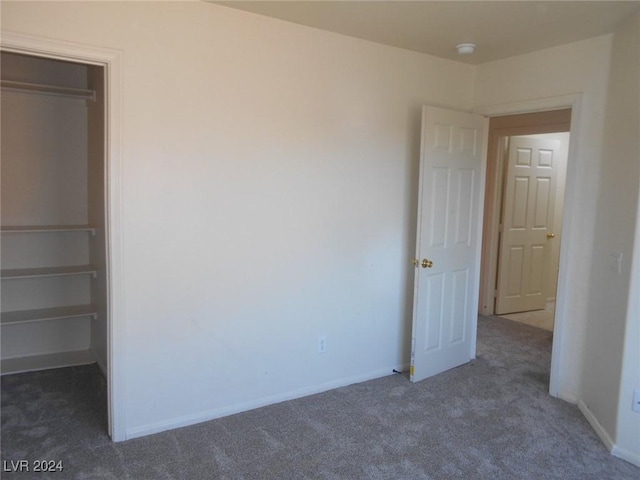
<point>489,419</point>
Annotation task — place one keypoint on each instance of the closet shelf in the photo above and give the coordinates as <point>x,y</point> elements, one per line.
<point>26,316</point>
<point>43,362</point>
<point>47,228</point>
<point>48,272</point>
<point>69,92</point>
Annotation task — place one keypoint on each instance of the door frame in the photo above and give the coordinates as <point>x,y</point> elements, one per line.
<point>111,61</point>
<point>574,102</point>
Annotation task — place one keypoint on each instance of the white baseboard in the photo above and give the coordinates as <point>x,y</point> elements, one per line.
<point>616,451</point>
<point>261,402</point>
<point>599,429</point>
<point>630,457</point>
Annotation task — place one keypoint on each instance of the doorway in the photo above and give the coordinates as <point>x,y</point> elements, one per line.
<point>54,250</point>
<point>501,128</point>
<point>557,118</point>
<point>110,61</point>
<point>548,133</point>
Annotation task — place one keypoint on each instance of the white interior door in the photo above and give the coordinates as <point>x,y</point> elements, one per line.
<point>527,224</point>
<point>445,305</point>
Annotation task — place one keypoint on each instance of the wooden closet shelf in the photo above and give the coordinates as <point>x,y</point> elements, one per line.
<point>48,272</point>
<point>44,362</point>
<point>47,228</point>
<point>42,314</point>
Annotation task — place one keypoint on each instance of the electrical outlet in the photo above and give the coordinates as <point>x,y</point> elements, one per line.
<point>322,344</point>
<point>636,400</point>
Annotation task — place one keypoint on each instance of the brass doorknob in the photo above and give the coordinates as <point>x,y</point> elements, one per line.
<point>426,263</point>
<point>551,235</point>
<point>416,262</point>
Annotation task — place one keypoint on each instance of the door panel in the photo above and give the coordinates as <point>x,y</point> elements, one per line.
<point>466,184</point>
<point>459,301</point>
<point>519,199</point>
<point>434,311</point>
<point>449,226</point>
<point>515,267</point>
<point>439,206</point>
<point>541,203</point>
<point>538,257</point>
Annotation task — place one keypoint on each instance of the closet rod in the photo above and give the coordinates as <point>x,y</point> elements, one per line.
<point>49,89</point>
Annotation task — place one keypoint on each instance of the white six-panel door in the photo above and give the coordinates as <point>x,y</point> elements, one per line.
<point>527,224</point>
<point>447,258</point>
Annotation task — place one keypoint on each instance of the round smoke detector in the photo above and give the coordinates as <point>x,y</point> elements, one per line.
<point>466,48</point>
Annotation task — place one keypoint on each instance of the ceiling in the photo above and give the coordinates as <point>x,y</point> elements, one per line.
<point>500,28</point>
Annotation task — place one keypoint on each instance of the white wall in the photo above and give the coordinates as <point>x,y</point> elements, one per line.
<point>51,162</point>
<point>628,431</point>
<point>599,365</point>
<point>269,178</point>
<point>269,189</point>
<point>577,68</point>
<point>619,327</point>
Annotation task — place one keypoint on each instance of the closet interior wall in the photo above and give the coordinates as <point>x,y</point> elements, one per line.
<point>53,250</point>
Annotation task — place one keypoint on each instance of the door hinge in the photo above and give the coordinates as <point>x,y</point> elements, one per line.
<point>495,294</point>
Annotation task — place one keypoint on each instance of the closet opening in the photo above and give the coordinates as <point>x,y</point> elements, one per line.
<point>53,217</point>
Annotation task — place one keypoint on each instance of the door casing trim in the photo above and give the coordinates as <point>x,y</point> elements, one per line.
<point>574,102</point>
<point>111,60</point>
